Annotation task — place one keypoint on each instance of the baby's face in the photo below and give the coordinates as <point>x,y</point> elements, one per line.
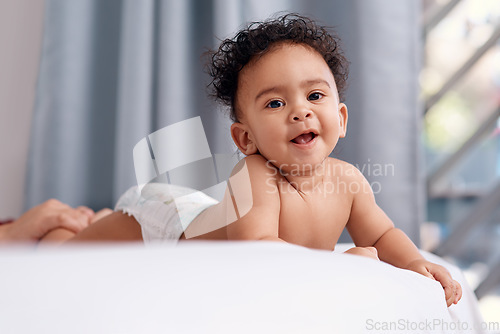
<point>289,108</point>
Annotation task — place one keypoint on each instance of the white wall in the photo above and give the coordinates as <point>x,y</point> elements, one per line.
<point>21,24</point>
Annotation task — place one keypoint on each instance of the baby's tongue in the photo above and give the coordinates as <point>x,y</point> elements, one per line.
<point>304,138</point>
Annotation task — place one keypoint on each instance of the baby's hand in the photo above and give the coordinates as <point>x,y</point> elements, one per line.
<point>370,252</point>
<point>452,289</point>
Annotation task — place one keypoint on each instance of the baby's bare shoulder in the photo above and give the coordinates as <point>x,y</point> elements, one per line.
<point>256,173</point>
<point>256,166</point>
<point>344,170</point>
<point>350,176</point>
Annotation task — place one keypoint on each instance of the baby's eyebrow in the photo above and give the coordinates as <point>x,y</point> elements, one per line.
<point>268,90</point>
<point>305,83</point>
<point>312,82</point>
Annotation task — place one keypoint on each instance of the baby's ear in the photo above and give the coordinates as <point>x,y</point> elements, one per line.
<point>343,120</point>
<point>242,139</point>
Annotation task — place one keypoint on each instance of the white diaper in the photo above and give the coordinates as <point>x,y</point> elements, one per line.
<point>164,211</point>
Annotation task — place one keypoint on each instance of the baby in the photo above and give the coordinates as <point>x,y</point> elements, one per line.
<point>283,80</point>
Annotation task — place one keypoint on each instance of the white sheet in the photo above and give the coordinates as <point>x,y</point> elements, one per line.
<point>202,287</point>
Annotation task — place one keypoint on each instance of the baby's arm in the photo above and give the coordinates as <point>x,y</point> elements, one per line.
<point>260,197</point>
<point>368,226</point>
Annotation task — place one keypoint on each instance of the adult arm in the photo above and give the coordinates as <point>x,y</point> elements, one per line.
<point>60,235</point>
<point>38,221</point>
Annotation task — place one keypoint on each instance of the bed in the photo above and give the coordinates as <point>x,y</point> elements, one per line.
<point>221,287</point>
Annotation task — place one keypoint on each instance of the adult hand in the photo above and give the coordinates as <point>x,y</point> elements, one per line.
<point>41,219</point>
<point>60,235</point>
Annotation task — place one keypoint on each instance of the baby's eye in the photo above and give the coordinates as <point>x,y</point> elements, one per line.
<point>275,104</point>
<point>315,96</point>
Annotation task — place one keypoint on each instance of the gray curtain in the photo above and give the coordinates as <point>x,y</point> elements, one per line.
<point>112,72</point>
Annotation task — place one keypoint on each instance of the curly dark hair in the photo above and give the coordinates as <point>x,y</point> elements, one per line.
<point>257,38</point>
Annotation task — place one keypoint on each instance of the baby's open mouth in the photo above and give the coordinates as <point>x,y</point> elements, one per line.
<point>304,138</point>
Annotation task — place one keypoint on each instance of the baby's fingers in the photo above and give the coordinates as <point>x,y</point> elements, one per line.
<point>458,296</point>
<point>452,291</point>
<point>449,285</point>
<point>449,292</point>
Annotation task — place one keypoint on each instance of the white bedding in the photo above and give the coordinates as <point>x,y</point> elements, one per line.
<point>229,287</point>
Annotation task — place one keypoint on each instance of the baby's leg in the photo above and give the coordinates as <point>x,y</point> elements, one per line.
<point>56,236</point>
<point>60,235</point>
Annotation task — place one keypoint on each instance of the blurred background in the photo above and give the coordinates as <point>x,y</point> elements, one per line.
<point>82,81</point>
<point>460,90</point>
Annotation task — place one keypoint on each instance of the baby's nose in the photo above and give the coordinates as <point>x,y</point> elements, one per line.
<point>300,115</point>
